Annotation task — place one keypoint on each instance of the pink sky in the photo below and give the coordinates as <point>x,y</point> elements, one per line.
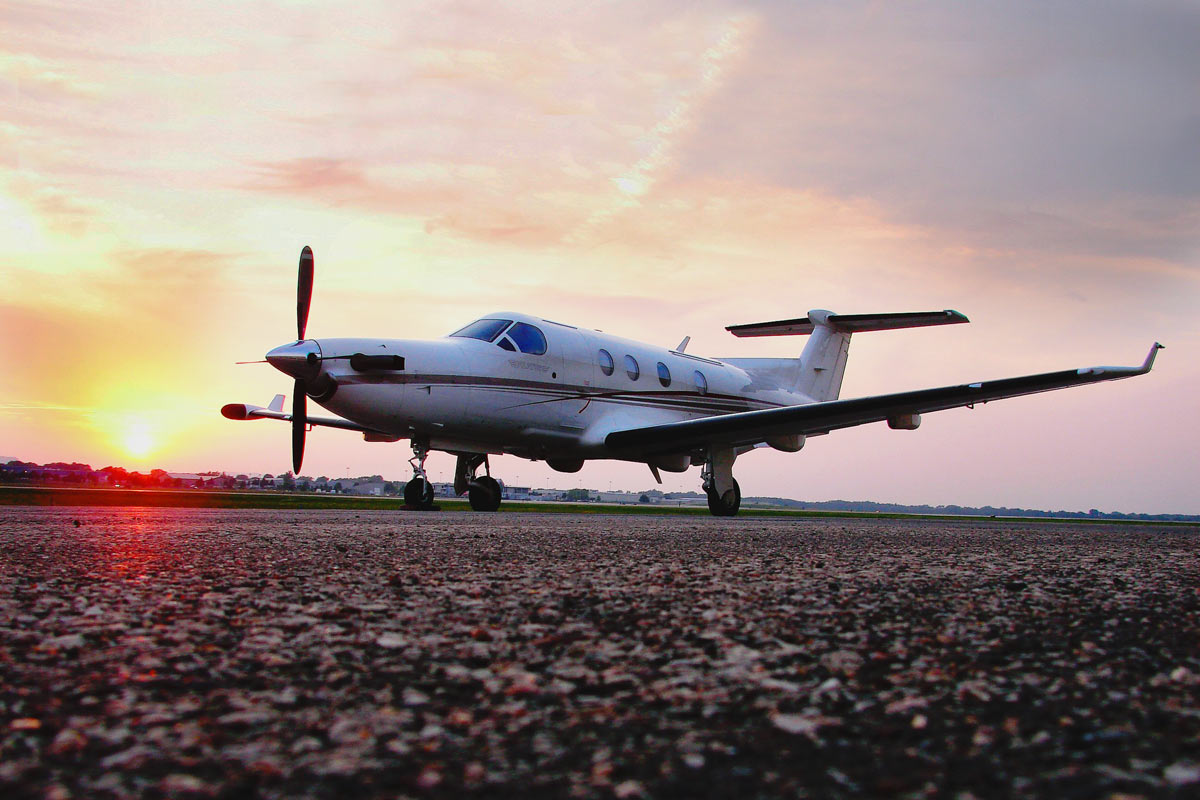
<point>653,169</point>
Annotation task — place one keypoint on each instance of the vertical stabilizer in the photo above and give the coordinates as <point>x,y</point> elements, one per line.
<point>823,362</point>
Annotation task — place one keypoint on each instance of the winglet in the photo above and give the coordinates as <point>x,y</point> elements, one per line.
<point>277,403</point>
<point>1149,362</point>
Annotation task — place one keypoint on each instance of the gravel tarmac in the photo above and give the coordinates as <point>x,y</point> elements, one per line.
<point>204,653</point>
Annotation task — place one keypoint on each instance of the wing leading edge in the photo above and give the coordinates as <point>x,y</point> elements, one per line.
<point>752,427</point>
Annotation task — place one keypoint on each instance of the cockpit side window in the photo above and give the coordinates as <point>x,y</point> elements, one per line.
<point>529,339</point>
<point>486,330</point>
<point>505,344</point>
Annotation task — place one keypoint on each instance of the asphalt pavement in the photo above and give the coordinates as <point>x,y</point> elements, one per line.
<point>204,653</point>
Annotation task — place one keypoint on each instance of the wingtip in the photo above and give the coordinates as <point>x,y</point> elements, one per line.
<point>1148,364</point>
<point>238,411</point>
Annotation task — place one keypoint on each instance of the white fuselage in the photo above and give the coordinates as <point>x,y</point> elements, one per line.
<point>472,396</point>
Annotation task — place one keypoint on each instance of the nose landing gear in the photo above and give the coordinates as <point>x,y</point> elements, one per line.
<point>418,492</point>
<point>483,492</point>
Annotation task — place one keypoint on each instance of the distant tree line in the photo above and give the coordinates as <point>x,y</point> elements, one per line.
<point>964,511</point>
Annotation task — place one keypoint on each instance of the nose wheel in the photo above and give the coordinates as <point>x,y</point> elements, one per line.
<point>418,492</point>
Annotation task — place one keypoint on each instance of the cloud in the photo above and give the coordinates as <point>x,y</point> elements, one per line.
<point>654,169</point>
<point>56,210</point>
<point>954,116</point>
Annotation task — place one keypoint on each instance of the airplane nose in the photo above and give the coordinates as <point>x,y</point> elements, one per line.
<point>300,359</point>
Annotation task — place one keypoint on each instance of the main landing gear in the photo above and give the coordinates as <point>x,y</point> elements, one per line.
<point>418,492</point>
<point>724,494</point>
<point>482,491</point>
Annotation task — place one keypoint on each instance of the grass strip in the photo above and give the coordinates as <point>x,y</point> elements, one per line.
<point>172,498</point>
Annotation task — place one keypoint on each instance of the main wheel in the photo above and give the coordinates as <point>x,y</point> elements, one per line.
<point>484,494</point>
<point>418,493</point>
<point>728,505</point>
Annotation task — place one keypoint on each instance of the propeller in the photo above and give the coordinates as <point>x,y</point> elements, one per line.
<point>299,425</point>
<point>304,291</point>
<point>304,285</point>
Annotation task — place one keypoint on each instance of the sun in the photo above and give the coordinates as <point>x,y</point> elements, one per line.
<point>137,439</point>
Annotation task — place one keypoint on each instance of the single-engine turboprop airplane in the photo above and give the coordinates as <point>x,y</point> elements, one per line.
<point>542,390</point>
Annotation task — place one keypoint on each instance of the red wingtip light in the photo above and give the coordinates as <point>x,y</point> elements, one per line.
<point>235,411</point>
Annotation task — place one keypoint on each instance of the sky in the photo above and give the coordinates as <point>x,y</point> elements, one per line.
<point>653,169</point>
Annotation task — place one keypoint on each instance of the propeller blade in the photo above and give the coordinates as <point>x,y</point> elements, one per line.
<point>299,425</point>
<point>304,291</point>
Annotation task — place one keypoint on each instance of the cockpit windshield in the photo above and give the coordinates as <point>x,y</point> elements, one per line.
<point>483,329</point>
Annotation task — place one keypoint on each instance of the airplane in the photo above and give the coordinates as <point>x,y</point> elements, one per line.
<point>512,383</point>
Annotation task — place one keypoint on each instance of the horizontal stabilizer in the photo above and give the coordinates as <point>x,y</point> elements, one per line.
<point>849,323</point>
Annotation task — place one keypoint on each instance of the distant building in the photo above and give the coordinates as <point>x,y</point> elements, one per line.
<point>188,479</point>
<point>56,472</point>
<point>367,488</point>
<point>651,495</point>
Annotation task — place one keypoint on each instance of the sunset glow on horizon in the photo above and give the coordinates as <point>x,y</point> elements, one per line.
<point>655,170</point>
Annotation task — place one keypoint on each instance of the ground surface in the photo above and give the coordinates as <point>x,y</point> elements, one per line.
<point>192,653</point>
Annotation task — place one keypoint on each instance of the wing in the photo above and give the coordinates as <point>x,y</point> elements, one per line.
<point>752,427</point>
<point>243,411</point>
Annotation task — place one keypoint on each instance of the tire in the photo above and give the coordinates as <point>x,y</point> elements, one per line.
<point>484,494</point>
<point>719,508</point>
<point>418,493</point>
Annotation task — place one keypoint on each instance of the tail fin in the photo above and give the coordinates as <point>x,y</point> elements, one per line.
<point>823,362</point>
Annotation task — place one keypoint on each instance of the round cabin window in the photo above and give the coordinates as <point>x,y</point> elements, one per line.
<point>664,374</point>
<point>606,362</point>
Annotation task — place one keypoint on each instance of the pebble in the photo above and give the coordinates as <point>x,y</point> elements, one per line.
<point>1182,772</point>
<point>206,653</point>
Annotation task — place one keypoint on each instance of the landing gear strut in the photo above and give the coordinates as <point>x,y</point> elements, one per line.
<point>418,492</point>
<point>724,494</point>
<point>483,491</point>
